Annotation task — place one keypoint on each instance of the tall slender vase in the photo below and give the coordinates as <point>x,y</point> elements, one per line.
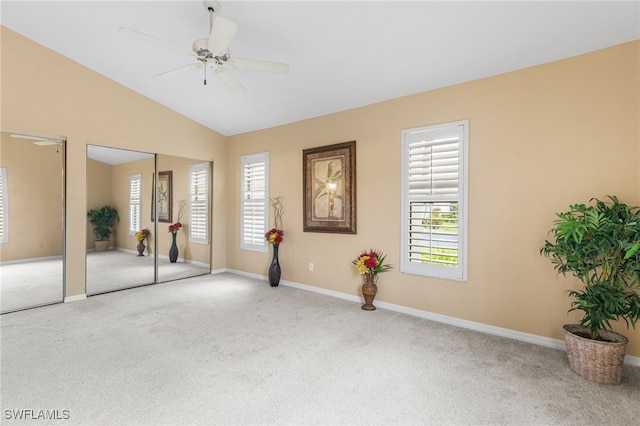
<point>274,268</point>
<point>173,251</point>
<point>369,290</point>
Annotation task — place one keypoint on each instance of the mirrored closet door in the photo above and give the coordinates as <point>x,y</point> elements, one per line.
<point>148,205</point>
<point>119,197</point>
<point>31,221</point>
<point>184,215</point>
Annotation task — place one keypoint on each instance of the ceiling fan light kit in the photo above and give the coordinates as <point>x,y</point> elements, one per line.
<point>213,50</point>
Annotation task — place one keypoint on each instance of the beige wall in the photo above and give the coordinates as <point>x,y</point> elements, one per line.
<point>120,197</point>
<point>35,221</point>
<point>99,193</point>
<point>55,96</point>
<point>540,139</point>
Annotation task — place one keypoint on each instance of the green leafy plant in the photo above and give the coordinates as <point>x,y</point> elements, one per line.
<point>599,243</point>
<point>102,220</point>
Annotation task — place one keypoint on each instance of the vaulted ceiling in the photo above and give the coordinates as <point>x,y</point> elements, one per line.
<point>342,54</point>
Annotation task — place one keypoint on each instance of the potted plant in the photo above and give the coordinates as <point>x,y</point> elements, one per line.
<point>102,220</point>
<point>599,243</point>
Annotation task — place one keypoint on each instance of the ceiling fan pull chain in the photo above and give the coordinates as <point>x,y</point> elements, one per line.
<point>205,73</point>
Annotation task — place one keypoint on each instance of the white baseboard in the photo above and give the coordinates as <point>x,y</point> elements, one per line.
<point>75,298</point>
<point>162,256</point>
<point>457,322</point>
<point>124,250</point>
<point>31,259</point>
<point>246,274</point>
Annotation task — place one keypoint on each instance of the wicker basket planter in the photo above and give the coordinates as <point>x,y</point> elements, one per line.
<point>595,360</point>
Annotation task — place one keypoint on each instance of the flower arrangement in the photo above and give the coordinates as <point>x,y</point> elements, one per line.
<point>277,204</point>
<point>175,227</point>
<point>274,236</point>
<point>142,234</point>
<point>371,262</point>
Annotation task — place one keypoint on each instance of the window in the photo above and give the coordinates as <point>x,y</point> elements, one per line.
<point>199,203</point>
<point>254,208</point>
<point>434,201</point>
<point>4,218</point>
<point>135,194</point>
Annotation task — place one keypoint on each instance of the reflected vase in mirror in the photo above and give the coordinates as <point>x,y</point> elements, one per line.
<point>173,251</point>
<point>140,248</point>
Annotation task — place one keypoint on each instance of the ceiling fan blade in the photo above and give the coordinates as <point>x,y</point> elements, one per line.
<point>222,32</point>
<point>230,81</point>
<point>37,140</point>
<point>251,64</point>
<point>147,37</point>
<point>179,70</point>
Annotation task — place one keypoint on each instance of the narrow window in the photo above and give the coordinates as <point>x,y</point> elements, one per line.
<point>199,203</point>
<point>135,195</point>
<point>4,217</point>
<point>254,196</point>
<point>434,201</point>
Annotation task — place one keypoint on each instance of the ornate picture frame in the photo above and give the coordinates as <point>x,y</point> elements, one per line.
<point>164,188</point>
<point>329,175</point>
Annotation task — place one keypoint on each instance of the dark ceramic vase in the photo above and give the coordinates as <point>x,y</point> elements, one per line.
<point>274,268</point>
<point>173,251</point>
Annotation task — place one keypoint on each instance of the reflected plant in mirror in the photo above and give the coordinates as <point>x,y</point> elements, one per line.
<point>102,219</point>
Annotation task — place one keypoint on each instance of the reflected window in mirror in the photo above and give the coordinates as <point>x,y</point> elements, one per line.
<point>199,203</point>
<point>135,207</point>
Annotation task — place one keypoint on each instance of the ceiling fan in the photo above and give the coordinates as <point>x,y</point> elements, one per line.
<point>37,140</point>
<point>214,51</point>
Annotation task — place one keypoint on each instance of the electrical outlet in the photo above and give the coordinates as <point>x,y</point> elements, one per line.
<point>311,266</point>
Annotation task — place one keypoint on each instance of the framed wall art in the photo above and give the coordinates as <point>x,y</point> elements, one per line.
<point>164,188</point>
<point>329,175</point>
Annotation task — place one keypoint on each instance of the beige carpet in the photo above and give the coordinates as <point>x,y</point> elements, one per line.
<point>226,349</point>
<point>36,283</point>
<point>115,270</point>
<point>27,284</point>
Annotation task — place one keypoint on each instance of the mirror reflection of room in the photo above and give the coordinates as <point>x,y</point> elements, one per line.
<point>119,184</point>
<point>31,221</point>
<point>184,246</point>
<point>122,181</point>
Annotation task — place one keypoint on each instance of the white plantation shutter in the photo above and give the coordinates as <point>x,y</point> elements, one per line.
<point>433,168</point>
<point>135,198</point>
<point>199,203</point>
<point>4,218</point>
<point>254,196</point>
<point>434,200</point>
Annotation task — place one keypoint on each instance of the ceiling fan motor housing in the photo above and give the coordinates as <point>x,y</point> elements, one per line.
<point>201,47</point>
